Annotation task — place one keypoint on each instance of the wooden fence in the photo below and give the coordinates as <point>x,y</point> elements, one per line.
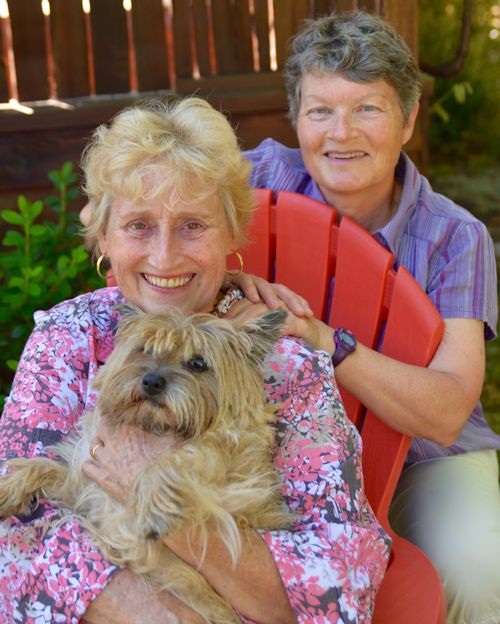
<point>68,65</point>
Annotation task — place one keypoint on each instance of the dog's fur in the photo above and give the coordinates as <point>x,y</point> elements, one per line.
<point>196,376</point>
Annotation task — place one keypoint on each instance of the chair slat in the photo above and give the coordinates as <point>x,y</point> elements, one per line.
<point>414,330</point>
<point>361,275</point>
<point>303,243</point>
<point>412,335</point>
<point>258,254</point>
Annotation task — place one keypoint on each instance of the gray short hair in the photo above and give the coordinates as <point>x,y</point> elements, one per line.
<point>361,46</point>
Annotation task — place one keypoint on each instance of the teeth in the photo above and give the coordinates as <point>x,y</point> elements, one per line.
<point>163,282</point>
<point>345,154</point>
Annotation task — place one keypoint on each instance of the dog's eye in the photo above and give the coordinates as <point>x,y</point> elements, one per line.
<point>196,364</point>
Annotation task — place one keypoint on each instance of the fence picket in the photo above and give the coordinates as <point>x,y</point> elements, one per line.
<point>204,37</point>
<point>233,37</point>
<point>29,50</point>
<point>182,39</point>
<point>109,32</point>
<point>70,50</point>
<point>150,45</point>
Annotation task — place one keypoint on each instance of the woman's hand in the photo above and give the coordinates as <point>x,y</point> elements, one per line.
<point>257,289</point>
<point>121,454</point>
<point>316,333</point>
<point>313,331</point>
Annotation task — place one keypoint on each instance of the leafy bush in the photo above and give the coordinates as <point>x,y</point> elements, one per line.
<point>42,262</point>
<point>469,132</point>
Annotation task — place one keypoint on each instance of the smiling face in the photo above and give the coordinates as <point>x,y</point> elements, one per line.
<point>168,252</point>
<point>351,135</point>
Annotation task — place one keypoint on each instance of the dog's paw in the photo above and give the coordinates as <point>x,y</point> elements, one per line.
<point>155,526</point>
<point>154,520</point>
<point>14,501</point>
<point>155,505</point>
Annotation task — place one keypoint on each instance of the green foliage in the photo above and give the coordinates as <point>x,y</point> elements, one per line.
<point>459,91</point>
<point>469,130</point>
<point>42,262</point>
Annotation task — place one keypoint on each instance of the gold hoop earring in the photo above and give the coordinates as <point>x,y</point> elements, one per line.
<point>236,271</point>
<point>98,266</point>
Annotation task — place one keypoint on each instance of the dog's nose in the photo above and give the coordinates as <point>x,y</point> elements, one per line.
<point>153,384</point>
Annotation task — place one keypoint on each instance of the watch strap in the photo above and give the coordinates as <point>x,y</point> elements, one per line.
<point>345,343</point>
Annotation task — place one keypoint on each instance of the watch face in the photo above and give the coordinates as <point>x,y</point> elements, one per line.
<point>345,343</point>
<point>347,339</point>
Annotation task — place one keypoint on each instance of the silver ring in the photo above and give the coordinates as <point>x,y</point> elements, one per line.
<point>92,451</point>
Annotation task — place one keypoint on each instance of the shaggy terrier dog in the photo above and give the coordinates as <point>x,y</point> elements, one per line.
<point>197,377</point>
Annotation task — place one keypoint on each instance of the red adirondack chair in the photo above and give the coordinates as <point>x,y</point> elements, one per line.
<point>297,242</point>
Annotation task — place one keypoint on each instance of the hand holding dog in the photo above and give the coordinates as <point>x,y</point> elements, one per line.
<point>124,453</point>
<point>121,454</point>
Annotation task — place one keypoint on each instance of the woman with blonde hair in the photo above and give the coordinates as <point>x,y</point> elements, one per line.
<point>170,201</point>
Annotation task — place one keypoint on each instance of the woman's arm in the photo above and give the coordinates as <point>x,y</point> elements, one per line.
<point>128,600</point>
<point>253,588</point>
<point>432,403</point>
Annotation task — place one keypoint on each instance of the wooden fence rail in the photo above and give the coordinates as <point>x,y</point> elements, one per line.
<point>73,48</point>
<point>73,63</point>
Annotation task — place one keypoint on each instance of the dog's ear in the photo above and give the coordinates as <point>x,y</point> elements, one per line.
<point>127,309</point>
<point>265,331</point>
<point>129,314</point>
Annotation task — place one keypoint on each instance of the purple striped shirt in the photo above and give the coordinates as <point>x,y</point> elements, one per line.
<point>447,250</point>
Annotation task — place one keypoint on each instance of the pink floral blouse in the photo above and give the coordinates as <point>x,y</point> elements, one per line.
<point>331,563</point>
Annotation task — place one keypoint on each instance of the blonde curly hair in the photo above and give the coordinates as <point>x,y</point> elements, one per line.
<point>182,147</point>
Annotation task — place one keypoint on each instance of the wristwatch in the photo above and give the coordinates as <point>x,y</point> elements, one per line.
<point>345,344</point>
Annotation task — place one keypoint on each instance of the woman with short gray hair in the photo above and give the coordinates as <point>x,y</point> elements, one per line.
<point>360,47</point>
<point>353,91</point>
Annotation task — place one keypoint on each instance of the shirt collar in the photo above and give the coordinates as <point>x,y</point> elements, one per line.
<point>391,234</point>
<point>315,193</point>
